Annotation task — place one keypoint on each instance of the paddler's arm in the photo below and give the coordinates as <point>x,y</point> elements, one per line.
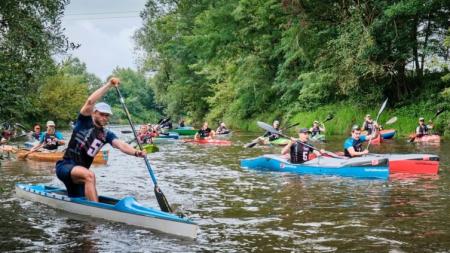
<point>354,153</point>
<point>127,148</point>
<point>88,106</point>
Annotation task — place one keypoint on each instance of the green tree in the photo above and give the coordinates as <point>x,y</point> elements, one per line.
<point>30,32</point>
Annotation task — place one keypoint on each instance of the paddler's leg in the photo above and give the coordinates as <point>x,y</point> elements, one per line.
<point>81,175</point>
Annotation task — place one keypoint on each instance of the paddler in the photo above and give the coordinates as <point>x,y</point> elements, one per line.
<point>88,137</point>
<point>297,150</point>
<point>423,129</point>
<point>353,146</point>
<point>181,124</point>
<point>222,129</point>
<point>51,139</point>
<point>144,135</point>
<point>369,125</point>
<point>317,129</point>
<point>36,133</point>
<point>205,132</point>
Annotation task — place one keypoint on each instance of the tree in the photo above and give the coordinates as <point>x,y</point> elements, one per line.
<point>30,32</point>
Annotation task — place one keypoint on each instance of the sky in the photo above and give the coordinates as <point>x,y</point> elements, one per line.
<point>104,28</point>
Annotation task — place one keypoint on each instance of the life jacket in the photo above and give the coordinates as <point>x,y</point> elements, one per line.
<point>145,138</point>
<point>357,146</point>
<point>315,131</point>
<point>204,133</point>
<point>369,127</point>
<point>222,130</point>
<point>423,130</point>
<point>299,152</point>
<point>49,142</point>
<point>36,136</point>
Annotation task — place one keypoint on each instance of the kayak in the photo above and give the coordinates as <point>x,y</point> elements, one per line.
<point>150,148</point>
<point>412,163</point>
<point>387,134</point>
<point>318,137</point>
<point>208,141</point>
<point>280,142</point>
<point>170,135</point>
<point>361,167</point>
<point>224,136</point>
<point>429,138</point>
<point>408,163</point>
<point>100,158</point>
<point>185,131</point>
<point>126,210</point>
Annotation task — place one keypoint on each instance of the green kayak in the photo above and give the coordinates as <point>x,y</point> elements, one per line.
<point>185,131</point>
<point>318,137</point>
<point>280,142</point>
<point>150,148</point>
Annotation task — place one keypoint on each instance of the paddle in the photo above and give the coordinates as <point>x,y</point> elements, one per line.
<point>328,118</point>
<point>254,142</point>
<point>378,115</point>
<point>439,111</point>
<point>162,201</point>
<point>269,128</point>
<point>391,121</point>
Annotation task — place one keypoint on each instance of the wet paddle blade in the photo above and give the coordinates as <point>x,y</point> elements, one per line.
<point>267,127</point>
<point>329,117</point>
<point>391,121</point>
<point>251,144</point>
<point>383,106</point>
<point>439,111</point>
<point>162,200</point>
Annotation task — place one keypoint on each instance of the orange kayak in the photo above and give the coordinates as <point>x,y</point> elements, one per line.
<point>100,158</point>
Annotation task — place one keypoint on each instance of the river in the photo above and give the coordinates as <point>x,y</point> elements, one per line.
<point>239,210</point>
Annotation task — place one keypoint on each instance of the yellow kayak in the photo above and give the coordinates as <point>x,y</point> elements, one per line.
<point>100,158</point>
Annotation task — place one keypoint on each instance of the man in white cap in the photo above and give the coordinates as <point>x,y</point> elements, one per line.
<point>423,129</point>
<point>51,139</point>
<point>88,137</point>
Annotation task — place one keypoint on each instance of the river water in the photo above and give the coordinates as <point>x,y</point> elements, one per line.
<point>238,210</point>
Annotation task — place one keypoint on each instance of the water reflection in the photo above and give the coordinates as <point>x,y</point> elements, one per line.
<point>239,210</point>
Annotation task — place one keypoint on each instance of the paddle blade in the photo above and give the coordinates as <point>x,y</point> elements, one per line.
<point>391,121</point>
<point>162,201</point>
<point>251,144</point>
<point>329,117</point>
<point>267,127</point>
<point>383,106</point>
<point>439,111</point>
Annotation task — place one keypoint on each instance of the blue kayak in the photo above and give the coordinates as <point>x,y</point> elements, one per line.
<point>170,135</point>
<point>126,210</point>
<point>361,167</point>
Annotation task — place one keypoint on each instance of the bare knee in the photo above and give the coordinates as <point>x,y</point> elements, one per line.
<point>90,177</point>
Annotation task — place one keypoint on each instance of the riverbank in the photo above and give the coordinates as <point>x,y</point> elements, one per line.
<point>346,115</point>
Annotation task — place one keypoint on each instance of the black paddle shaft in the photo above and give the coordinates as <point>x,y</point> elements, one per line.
<point>160,197</point>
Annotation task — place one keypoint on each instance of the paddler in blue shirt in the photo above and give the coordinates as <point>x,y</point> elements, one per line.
<point>297,150</point>
<point>353,146</point>
<point>88,137</point>
<point>51,139</point>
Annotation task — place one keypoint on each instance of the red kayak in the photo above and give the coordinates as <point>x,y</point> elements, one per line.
<point>409,163</point>
<point>208,141</point>
<point>428,138</point>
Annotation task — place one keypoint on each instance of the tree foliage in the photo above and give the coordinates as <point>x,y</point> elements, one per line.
<point>138,95</point>
<point>30,32</point>
<point>242,58</point>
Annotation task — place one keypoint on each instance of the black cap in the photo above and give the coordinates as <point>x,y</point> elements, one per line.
<point>304,131</point>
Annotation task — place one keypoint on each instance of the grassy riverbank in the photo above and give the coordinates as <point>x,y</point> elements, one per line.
<point>345,115</point>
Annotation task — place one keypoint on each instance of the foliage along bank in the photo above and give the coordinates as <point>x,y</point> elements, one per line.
<point>240,60</point>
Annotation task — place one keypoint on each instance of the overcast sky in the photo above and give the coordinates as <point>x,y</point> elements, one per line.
<point>104,28</point>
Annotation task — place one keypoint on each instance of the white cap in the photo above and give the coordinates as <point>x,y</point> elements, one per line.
<point>50,123</point>
<point>103,107</point>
